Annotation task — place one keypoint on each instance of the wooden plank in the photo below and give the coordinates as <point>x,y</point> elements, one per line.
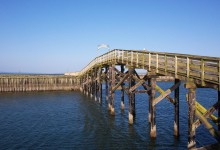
<point>214,70</point>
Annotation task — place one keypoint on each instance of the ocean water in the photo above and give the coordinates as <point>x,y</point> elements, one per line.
<point>72,120</point>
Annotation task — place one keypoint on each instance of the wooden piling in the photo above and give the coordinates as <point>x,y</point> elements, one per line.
<point>100,85</point>
<point>112,93</point>
<point>191,97</point>
<point>23,83</point>
<point>122,90</point>
<point>92,84</point>
<point>95,84</point>
<point>176,109</point>
<point>106,83</point>
<point>152,119</point>
<point>88,85</point>
<point>131,97</point>
<point>219,112</point>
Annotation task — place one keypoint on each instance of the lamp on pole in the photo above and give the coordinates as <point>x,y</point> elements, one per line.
<point>103,46</point>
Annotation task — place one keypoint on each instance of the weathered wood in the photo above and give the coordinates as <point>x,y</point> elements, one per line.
<point>131,97</point>
<point>120,82</point>
<point>151,115</point>
<point>180,64</point>
<point>100,85</point>
<point>92,85</point>
<point>191,97</point>
<point>136,85</point>
<point>176,109</point>
<point>96,84</point>
<point>112,93</point>
<point>122,90</point>
<point>106,83</point>
<point>167,92</point>
<point>207,113</point>
<point>141,91</point>
<point>218,112</point>
<point>210,128</point>
<point>23,83</point>
<point>161,91</point>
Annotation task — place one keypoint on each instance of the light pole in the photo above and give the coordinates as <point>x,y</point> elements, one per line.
<point>103,46</point>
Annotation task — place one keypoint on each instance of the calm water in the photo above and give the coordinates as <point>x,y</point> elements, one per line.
<point>71,120</point>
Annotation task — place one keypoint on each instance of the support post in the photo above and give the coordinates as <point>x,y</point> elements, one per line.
<point>109,89</point>
<point>92,84</point>
<point>191,97</point>
<point>88,85</point>
<point>100,85</point>
<point>151,115</point>
<point>112,93</point>
<point>176,107</point>
<point>106,83</point>
<point>95,84</point>
<point>122,90</point>
<point>219,112</point>
<point>131,97</point>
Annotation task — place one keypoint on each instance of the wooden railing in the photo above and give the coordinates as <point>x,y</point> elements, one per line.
<point>205,70</point>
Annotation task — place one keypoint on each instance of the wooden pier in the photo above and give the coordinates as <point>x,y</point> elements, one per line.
<point>194,71</point>
<point>23,83</point>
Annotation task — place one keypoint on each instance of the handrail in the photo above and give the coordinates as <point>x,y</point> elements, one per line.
<point>203,68</point>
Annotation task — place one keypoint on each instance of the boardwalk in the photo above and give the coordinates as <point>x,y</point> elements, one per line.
<point>194,71</point>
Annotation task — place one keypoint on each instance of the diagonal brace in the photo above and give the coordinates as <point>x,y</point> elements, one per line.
<point>161,91</point>
<point>120,82</point>
<point>166,93</point>
<point>212,131</point>
<point>136,85</point>
<point>207,113</point>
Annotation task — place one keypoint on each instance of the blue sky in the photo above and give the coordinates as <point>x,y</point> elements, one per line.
<point>57,36</point>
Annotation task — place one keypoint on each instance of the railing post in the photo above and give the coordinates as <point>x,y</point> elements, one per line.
<point>188,67</point>
<point>176,66</point>
<point>122,56</point>
<point>143,60</point>
<point>132,57</point>
<point>149,61</point>
<point>157,61</point>
<point>202,72</point>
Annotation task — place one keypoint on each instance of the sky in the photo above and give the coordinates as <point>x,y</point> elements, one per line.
<point>57,36</point>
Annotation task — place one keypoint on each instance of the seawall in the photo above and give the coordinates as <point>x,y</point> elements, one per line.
<point>18,83</point>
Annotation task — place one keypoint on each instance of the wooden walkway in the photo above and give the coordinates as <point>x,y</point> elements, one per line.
<point>205,71</point>
<point>194,71</point>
